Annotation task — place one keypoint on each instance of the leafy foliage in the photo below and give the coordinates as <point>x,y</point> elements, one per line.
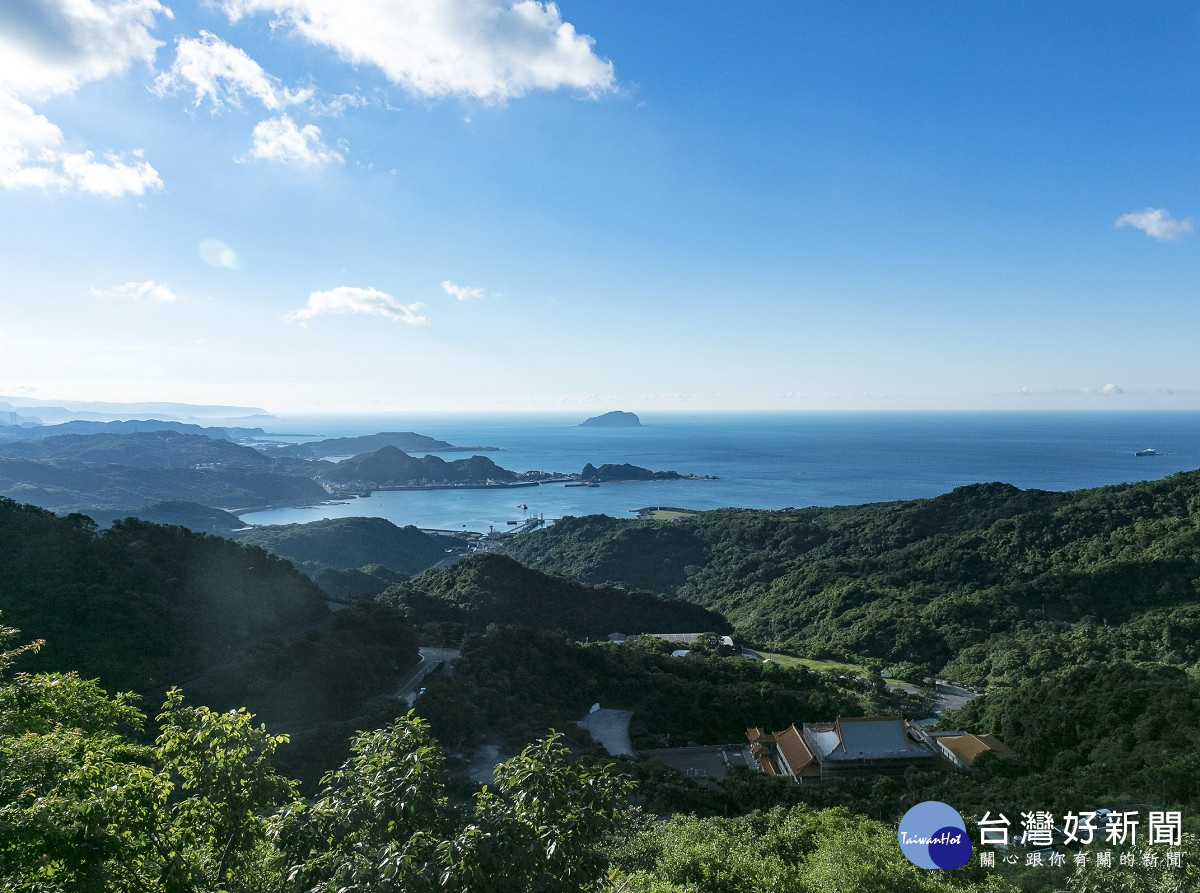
<point>145,607</point>
<point>84,808</point>
<point>361,652</point>
<point>1098,730</point>
<point>794,849</point>
<point>383,822</point>
<point>377,823</point>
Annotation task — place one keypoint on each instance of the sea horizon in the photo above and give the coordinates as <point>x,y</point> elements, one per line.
<point>765,460</point>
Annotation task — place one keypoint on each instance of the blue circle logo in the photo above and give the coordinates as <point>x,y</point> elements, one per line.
<point>933,835</point>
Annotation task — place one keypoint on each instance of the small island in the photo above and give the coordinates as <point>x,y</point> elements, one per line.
<point>627,472</point>
<point>616,419</point>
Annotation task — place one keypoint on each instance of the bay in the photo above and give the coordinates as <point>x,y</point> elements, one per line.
<point>762,461</point>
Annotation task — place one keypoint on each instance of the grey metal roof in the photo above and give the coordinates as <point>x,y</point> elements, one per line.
<point>874,738</point>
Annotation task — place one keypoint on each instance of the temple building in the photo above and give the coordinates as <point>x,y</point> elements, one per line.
<point>858,745</point>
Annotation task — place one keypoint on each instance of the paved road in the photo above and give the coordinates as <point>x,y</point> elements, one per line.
<point>947,696</point>
<point>431,659</point>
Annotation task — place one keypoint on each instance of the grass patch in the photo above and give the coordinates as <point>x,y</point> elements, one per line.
<point>668,515</point>
<point>824,666</point>
<point>665,513</point>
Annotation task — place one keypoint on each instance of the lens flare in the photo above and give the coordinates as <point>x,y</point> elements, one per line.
<point>216,253</point>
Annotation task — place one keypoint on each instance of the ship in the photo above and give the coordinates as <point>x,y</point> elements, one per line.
<point>1148,451</point>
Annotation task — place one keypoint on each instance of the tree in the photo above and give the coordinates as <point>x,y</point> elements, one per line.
<point>377,823</point>
<point>83,807</point>
<point>383,822</point>
<point>222,787</point>
<point>542,828</point>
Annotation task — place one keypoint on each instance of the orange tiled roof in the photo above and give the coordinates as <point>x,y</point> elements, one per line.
<point>791,744</point>
<point>969,748</point>
<point>755,736</point>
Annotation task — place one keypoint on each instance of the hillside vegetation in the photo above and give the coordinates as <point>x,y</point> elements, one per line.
<point>485,589</point>
<point>372,545</point>
<point>986,583</point>
<point>1078,609</point>
<point>524,682</point>
<point>353,446</point>
<point>115,472</point>
<point>139,604</point>
<point>389,466</point>
<point>143,607</point>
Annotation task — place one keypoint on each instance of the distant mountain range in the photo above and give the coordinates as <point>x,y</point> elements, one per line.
<point>353,446</point>
<point>114,472</point>
<point>116,469</point>
<point>57,411</point>
<point>33,431</point>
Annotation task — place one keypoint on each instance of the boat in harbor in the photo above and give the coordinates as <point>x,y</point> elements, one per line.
<point>1148,451</point>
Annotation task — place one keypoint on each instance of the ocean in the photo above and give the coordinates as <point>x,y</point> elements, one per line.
<point>761,461</point>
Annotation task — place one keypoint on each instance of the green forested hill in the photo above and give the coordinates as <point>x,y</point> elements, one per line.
<point>486,589</point>
<point>520,682</point>
<point>143,607</point>
<point>389,466</point>
<point>140,449</point>
<point>121,473</point>
<point>354,446</point>
<point>191,515</point>
<point>987,581</point>
<point>344,543</point>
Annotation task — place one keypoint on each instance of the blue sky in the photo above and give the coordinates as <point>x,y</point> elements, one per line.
<point>320,205</point>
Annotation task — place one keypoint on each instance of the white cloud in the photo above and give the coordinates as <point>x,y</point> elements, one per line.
<point>31,155</point>
<point>1156,223</point>
<point>139,291</point>
<point>462,292</point>
<point>336,105</point>
<point>51,47</point>
<point>279,140</point>
<point>348,299</point>
<point>1111,388</point>
<point>113,177</point>
<point>27,139</point>
<point>488,49</point>
<point>222,73</point>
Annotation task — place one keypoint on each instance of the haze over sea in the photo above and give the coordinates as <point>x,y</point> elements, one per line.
<point>762,461</point>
